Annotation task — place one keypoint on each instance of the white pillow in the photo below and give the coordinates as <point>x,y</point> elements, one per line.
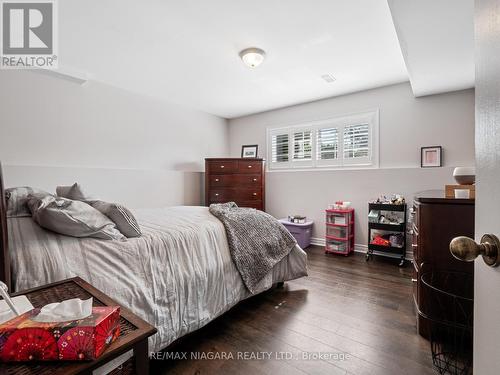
<point>71,218</point>
<point>17,199</point>
<point>74,192</point>
<point>120,215</point>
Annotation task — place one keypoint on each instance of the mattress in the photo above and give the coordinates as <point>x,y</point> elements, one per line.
<point>178,275</point>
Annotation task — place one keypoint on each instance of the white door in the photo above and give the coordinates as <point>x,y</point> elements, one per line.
<point>487,279</point>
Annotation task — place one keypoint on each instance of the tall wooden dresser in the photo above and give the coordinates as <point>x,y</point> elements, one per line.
<point>436,221</point>
<point>235,180</point>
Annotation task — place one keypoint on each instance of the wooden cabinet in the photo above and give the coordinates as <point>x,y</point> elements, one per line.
<point>436,221</point>
<point>235,180</point>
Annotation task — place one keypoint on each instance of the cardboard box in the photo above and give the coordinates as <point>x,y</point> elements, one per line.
<point>22,339</point>
<point>450,191</point>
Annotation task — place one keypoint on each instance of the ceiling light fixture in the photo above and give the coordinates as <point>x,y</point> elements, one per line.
<point>252,57</point>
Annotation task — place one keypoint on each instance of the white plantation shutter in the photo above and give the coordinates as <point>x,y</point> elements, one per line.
<point>356,142</point>
<point>327,144</point>
<point>279,147</point>
<point>348,141</point>
<point>302,145</point>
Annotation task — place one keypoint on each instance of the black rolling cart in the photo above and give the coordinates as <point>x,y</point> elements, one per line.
<point>390,251</point>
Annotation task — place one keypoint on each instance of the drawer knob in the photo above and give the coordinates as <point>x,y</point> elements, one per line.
<point>222,166</point>
<point>254,194</point>
<point>254,180</point>
<point>466,249</point>
<point>249,166</point>
<point>216,180</point>
<point>216,194</point>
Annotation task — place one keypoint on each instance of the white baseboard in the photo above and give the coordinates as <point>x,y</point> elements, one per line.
<point>359,248</point>
<point>318,241</point>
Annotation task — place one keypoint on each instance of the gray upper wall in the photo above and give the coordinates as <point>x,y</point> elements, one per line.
<point>122,146</point>
<point>406,123</point>
<point>53,122</point>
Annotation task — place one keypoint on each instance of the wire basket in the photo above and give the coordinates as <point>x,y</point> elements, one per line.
<point>449,308</point>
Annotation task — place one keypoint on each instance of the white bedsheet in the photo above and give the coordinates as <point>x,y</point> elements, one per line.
<point>178,276</point>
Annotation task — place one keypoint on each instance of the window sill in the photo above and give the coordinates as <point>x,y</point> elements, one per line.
<point>321,169</point>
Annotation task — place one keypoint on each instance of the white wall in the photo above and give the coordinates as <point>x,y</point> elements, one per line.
<point>406,124</point>
<point>123,146</point>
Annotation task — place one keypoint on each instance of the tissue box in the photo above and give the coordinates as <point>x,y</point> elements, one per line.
<point>22,339</point>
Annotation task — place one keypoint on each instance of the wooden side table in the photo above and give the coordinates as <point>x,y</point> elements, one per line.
<point>127,355</point>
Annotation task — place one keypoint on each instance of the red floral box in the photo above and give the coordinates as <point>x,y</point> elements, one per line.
<point>22,339</point>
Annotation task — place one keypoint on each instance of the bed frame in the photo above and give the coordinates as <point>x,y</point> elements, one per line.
<point>4,250</point>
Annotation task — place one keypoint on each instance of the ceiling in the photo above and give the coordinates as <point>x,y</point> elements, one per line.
<point>186,52</point>
<point>437,40</point>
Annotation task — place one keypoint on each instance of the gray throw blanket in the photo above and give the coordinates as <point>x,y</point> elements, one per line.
<point>257,241</point>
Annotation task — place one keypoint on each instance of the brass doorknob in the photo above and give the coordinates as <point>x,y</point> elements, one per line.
<point>466,249</point>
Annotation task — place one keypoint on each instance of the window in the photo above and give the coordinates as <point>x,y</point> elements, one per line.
<point>279,148</point>
<point>356,142</point>
<point>343,142</point>
<point>328,144</point>
<point>302,145</point>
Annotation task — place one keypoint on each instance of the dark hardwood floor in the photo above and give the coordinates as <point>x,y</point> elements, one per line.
<point>358,316</point>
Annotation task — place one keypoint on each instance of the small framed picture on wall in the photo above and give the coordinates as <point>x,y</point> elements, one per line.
<point>431,156</point>
<point>249,151</point>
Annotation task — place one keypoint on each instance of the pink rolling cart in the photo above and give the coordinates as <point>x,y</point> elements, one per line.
<point>339,231</point>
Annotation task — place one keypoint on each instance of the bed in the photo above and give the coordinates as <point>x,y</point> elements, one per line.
<point>178,275</point>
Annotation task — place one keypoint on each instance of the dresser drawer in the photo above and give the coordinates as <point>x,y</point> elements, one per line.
<point>415,216</point>
<point>242,195</point>
<point>249,166</point>
<point>222,166</point>
<point>248,195</point>
<point>253,204</point>
<point>235,180</point>
<point>220,196</point>
<point>415,249</point>
<point>414,280</point>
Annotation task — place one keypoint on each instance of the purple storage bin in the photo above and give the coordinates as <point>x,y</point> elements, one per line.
<point>301,232</point>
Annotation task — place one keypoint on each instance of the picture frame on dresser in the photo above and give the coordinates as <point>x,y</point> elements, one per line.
<point>249,151</point>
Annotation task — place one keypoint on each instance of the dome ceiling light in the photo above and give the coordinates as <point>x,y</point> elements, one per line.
<point>252,57</point>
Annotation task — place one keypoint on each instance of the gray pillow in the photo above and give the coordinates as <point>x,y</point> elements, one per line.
<point>74,192</point>
<point>17,199</point>
<point>120,215</point>
<point>71,218</point>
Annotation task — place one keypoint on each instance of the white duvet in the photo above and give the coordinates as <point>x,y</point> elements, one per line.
<point>178,276</point>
